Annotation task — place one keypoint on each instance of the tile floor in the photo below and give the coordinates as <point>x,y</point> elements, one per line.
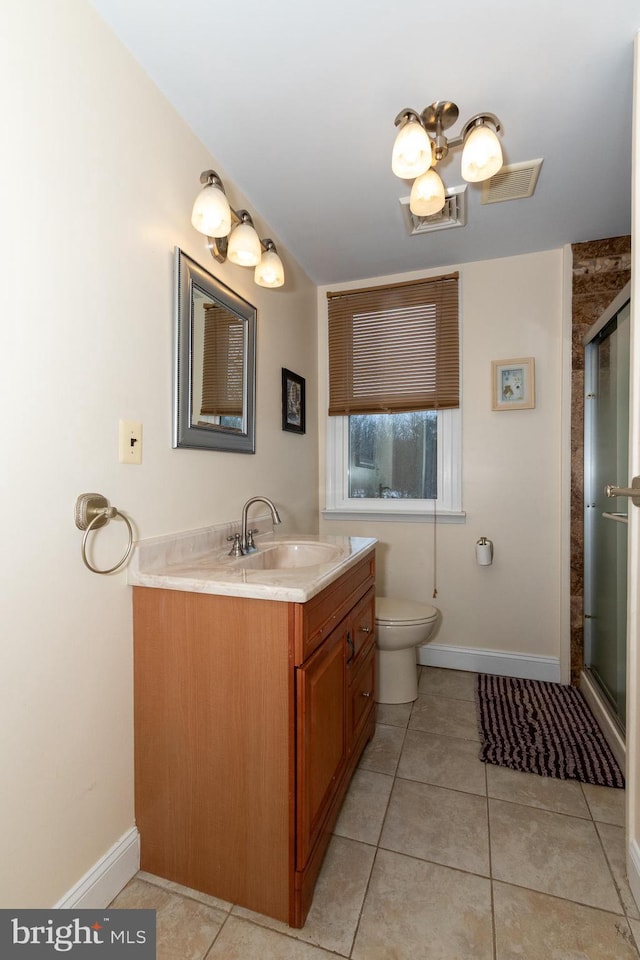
<point>436,855</point>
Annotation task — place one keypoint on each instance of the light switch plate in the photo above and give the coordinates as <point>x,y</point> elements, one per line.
<point>130,441</point>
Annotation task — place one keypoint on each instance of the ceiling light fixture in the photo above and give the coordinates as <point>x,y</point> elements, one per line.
<point>421,143</point>
<point>231,234</point>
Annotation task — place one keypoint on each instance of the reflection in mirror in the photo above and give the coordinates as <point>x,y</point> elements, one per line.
<point>214,375</point>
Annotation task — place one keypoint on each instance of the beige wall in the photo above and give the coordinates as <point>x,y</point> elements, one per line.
<point>98,175</point>
<point>511,463</point>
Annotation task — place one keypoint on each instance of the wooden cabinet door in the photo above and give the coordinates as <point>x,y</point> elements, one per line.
<point>321,725</point>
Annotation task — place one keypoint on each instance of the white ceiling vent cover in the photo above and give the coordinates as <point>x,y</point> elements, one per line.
<point>513,182</point>
<point>453,214</point>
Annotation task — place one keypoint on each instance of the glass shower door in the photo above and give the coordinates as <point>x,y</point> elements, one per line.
<point>606,462</point>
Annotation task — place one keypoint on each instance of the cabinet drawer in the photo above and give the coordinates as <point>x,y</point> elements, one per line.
<point>362,628</point>
<point>361,695</point>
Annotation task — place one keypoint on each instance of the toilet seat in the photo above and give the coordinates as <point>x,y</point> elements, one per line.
<point>390,610</point>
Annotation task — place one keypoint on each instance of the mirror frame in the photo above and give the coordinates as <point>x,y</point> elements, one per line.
<point>188,274</point>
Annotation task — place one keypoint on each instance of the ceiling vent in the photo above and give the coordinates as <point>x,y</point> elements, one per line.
<point>453,214</point>
<point>513,182</point>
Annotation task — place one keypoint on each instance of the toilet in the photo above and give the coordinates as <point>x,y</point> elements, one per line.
<point>401,626</point>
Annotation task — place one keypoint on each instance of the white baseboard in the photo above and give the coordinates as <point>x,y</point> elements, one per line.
<point>107,877</point>
<point>529,667</point>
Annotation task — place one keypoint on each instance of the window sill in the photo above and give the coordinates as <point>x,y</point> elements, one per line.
<point>399,516</point>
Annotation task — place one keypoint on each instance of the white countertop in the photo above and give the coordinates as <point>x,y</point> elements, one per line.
<point>198,562</point>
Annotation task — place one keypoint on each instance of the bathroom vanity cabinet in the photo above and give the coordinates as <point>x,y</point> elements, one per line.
<point>250,717</point>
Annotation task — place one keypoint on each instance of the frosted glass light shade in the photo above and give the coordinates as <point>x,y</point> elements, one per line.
<point>411,151</point>
<point>481,156</point>
<point>244,246</point>
<point>427,195</point>
<point>269,272</point>
<point>211,213</point>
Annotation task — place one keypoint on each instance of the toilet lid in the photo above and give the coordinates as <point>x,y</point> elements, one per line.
<point>390,610</point>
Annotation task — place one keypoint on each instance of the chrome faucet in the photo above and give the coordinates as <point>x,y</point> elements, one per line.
<point>246,537</point>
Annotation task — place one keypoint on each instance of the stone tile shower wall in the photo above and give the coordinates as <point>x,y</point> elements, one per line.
<point>601,268</point>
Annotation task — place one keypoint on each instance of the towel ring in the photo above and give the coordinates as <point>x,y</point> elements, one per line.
<point>94,511</point>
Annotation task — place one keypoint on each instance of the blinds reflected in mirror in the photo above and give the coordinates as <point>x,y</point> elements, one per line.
<point>223,363</point>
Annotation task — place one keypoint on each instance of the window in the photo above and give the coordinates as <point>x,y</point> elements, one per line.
<point>378,485</point>
<point>393,456</point>
<point>394,426</point>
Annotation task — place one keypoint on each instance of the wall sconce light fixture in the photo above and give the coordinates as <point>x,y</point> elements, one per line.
<point>421,143</point>
<point>231,233</point>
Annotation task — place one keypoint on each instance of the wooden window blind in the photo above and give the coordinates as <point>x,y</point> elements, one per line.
<point>223,363</point>
<point>395,348</point>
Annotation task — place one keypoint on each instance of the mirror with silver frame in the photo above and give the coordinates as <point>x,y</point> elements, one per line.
<point>214,363</point>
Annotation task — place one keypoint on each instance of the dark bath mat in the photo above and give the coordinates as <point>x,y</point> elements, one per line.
<point>544,728</point>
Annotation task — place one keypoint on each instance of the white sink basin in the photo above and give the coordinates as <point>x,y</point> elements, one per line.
<point>290,555</point>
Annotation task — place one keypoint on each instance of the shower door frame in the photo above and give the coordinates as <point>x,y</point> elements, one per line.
<point>592,688</point>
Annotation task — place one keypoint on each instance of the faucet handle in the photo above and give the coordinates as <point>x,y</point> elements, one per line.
<point>250,545</point>
<point>236,549</point>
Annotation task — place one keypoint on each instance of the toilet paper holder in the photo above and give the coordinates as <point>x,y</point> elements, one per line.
<point>484,551</point>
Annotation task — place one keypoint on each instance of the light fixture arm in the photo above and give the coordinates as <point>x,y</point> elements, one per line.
<point>476,121</point>
<point>437,118</point>
<point>210,178</point>
<point>406,115</point>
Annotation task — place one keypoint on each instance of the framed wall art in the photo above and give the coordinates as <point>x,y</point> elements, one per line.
<point>513,384</point>
<point>293,402</point>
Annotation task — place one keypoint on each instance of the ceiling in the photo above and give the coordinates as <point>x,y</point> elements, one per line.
<point>297,101</point>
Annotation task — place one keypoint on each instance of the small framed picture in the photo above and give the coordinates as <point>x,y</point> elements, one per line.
<point>293,402</point>
<point>513,384</point>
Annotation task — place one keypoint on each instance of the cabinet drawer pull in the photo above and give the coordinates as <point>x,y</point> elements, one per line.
<point>366,693</point>
<point>366,629</point>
